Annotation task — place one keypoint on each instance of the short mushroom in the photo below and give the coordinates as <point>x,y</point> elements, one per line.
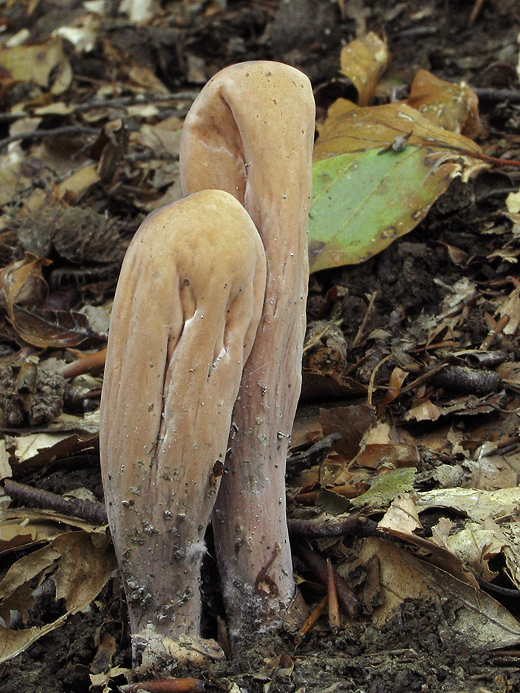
<point>250,132</point>
<point>184,318</point>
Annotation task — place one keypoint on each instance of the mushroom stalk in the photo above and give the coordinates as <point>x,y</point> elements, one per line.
<point>184,319</point>
<point>250,132</point>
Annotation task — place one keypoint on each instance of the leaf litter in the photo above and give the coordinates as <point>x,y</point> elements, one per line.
<point>432,464</point>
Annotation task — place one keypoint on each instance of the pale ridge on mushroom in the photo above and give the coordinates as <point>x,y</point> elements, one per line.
<point>250,132</point>
<point>184,319</point>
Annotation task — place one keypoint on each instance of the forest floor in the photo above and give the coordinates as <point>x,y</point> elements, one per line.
<point>403,379</point>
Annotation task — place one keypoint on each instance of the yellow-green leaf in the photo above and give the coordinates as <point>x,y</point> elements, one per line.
<point>364,201</point>
<point>376,173</point>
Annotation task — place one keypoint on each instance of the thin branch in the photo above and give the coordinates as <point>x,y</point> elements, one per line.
<point>90,511</point>
<point>40,134</point>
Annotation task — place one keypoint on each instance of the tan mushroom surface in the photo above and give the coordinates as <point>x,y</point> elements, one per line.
<point>184,319</point>
<point>250,132</point>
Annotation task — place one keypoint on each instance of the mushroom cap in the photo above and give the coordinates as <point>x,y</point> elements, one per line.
<point>250,132</point>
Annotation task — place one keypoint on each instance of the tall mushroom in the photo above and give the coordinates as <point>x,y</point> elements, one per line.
<point>184,319</point>
<point>250,132</point>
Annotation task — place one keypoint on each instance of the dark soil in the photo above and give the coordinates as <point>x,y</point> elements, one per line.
<point>416,650</point>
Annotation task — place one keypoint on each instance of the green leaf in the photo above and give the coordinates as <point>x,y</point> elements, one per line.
<point>364,200</point>
<point>386,487</point>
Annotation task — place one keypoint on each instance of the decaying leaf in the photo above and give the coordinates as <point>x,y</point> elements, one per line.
<point>31,452</point>
<point>22,283</point>
<point>51,328</point>
<point>23,292</point>
<point>386,487</point>
<point>79,563</point>
<point>471,616</point>
<point>475,504</point>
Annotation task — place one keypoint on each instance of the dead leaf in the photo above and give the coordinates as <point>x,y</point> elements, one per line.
<point>471,617</point>
<point>451,106</point>
<point>84,562</point>
<point>386,487</point>
<point>22,283</point>
<point>43,63</point>
<point>401,515</point>
<point>475,504</point>
<point>363,61</point>
<point>46,328</point>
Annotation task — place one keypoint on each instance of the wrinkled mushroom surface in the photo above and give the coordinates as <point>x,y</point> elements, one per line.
<point>183,323</point>
<point>250,132</point>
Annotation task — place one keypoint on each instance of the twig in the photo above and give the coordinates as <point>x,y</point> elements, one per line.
<point>166,686</point>
<point>500,163</point>
<point>424,377</point>
<point>510,95</point>
<point>313,529</point>
<point>495,334</point>
<point>466,380</point>
<point>85,364</point>
<point>305,459</point>
<point>475,11</point>
<point>310,621</point>
<point>334,617</point>
<point>91,511</point>
<point>53,132</point>
<point>319,566</point>
<point>117,102</point>
<point>368,313</point>
<point>136,100</point>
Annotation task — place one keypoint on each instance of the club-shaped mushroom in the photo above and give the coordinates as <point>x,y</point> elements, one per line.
<point>184,318</point>
<point>250,132</point>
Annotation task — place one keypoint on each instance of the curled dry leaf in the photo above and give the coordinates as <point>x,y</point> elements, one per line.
<point>51,328</point>
<point>363,61</point>
<point>23,292</point>
<point>475,619</point>
<point>22,283</point>
<point>451,106</point>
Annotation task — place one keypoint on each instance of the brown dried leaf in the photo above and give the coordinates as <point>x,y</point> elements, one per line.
<point>26,568</point>
<point>350,128</point>
<point>24,528</point>
<point>51,328</point>
<point>43,63</point>
<point>84,564</point>
<point>451,106</point>
<point>363,61</point>
<point>352,422</point>
<point>402,515</point>
<point>22,283</point>
<point>31,452</point>
<point>477,620</point>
